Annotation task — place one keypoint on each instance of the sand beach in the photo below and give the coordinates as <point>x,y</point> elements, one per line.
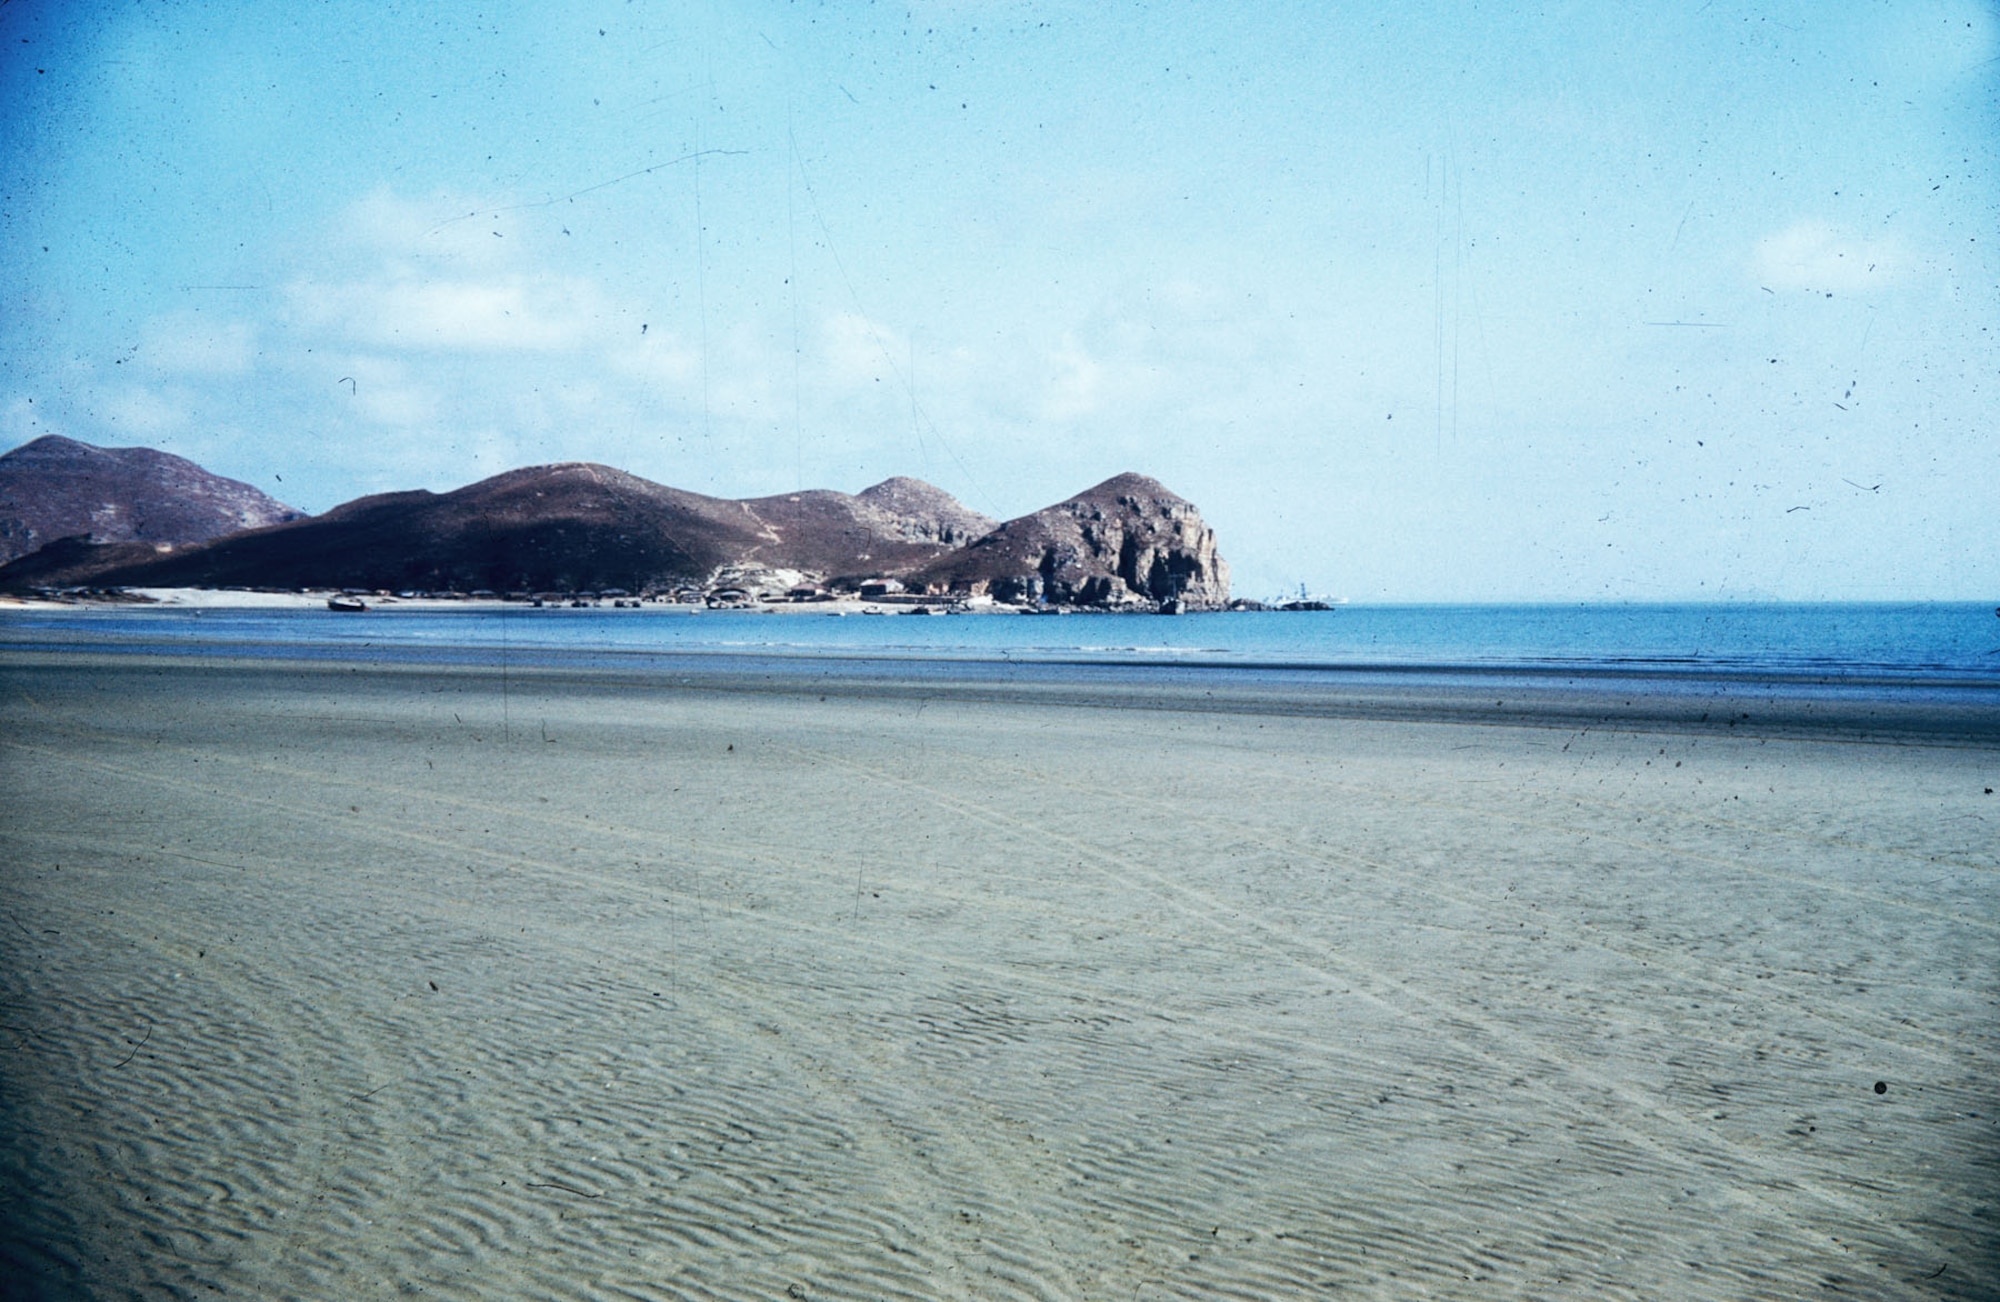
<point>353,980</point>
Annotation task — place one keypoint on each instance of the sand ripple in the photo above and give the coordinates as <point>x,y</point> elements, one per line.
<point>317,988</point>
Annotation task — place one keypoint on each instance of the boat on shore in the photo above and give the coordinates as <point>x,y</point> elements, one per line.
<point>346,604</point>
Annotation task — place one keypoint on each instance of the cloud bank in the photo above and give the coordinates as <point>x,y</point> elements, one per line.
<point>1813,256</point>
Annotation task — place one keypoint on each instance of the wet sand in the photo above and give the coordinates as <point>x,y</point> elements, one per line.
<point>338,981</point>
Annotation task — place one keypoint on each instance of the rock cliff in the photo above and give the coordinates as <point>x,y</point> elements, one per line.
<point>1127,543</point>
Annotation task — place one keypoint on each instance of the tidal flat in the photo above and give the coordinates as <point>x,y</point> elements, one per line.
<point>347,980</point>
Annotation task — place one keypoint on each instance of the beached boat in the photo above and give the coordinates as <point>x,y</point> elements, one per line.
<point>345,603</point>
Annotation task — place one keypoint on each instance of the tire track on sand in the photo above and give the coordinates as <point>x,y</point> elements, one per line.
<point>1471,1032</point>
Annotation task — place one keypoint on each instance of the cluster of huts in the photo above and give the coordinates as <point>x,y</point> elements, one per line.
<point>720,596</point>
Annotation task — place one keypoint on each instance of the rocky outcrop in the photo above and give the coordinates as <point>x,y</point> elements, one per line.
<point>897,525</point>
<point>924,514</point>
<point>57,488</point>
<point>1127,543</point>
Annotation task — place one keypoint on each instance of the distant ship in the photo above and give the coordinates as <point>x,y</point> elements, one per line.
<point>344,603</point>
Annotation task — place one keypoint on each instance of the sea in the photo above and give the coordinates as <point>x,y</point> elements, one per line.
<point>1952,647</point>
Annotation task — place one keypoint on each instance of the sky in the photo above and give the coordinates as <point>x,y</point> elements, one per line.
<point>1416,302</point>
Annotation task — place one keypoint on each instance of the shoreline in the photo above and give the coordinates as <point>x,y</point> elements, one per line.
<point>1886,710</point>
<point>140,598</point>
<point>316,599</point>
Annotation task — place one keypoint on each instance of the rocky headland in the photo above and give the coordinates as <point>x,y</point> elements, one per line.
<point>1127,544</point>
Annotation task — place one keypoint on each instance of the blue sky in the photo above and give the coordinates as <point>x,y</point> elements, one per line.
<point>1416,302</point>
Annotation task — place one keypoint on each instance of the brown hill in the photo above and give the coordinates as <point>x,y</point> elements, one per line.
<point>1129,542</point>
<point>896,526</point>
<point>927,514</point>
<point>59,488</point>
<point>75,562</point>
<point>567,527</point>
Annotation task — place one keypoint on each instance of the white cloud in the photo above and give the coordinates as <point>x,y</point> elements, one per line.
<point>744,374</point>
<point>1076,384</point>
<point>141,411</point>
<point>186,343</point>
<point>857,351</point>
<point>492,451</point>
<point>1814,256</point>
<point>445,228</point>
<point>509,313</point>
<point>384,390</point>
<point>425,275</point>
<point>660,360</point>
<point>20,421</point>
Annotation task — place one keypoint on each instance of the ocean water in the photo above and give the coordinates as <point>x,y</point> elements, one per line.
<point>1955,644</point>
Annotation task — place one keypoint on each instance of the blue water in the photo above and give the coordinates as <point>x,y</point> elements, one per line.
<point>1957,643</point>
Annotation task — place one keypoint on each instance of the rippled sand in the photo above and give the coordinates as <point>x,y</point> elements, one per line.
<point>338,983</point>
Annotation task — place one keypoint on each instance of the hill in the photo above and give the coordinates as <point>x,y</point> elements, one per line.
<point>57,488</point>
<point>566,527</point>
<point>1128,542</point>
